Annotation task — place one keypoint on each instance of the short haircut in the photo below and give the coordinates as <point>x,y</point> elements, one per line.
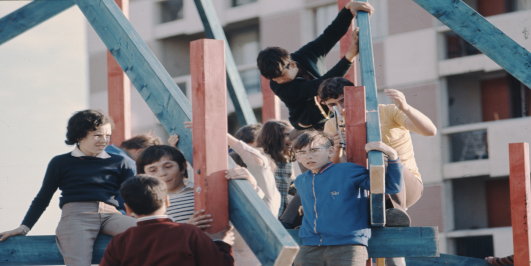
<point>332,88</point>
<point>310,137</point>
<point>249,133</point>
<point>271,61</point>
<point>83,122</point>
<point>144,194</point>
<point>155,153</point>
<point>272,140</point>
<point>141,142</point>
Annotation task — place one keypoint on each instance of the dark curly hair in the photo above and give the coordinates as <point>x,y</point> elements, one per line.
<point>83,122</point>
<point>332,88</point>
<point>272,140</point>
<point>271,61</point>
<point>144,194</point>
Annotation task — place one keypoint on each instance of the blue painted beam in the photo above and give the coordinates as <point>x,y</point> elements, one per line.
<point>213,30</point>
<point>476,30</point>
<point>448,260</point>
<point>368,79</point>
<point>388,242</point>
<point>147,74</point>
<point>30,16</point>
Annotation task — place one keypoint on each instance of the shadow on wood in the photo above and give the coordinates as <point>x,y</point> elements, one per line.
<point>445,259</point>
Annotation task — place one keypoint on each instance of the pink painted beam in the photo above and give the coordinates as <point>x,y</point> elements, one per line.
<point>119,92</point>
<point>344,44</point>
<point>209,116</point>
<point>355,125</point>
<point>271,103</point>
<point>520,206</point>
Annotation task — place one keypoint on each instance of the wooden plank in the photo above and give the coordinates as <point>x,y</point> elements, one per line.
<point>476,30</point>
<point>270,103</point>
<point>264,234</point>
<point>213,30</point>
<point>355,124</point>
<point>445,259</point>
<point>29,16</point>
<point>119,92</point>
<point>390,242</point>
<point>209,98</point>
<point>147,74</point>
<point>520,205</point>
<point>344,44</point>
<point>368,80</point>
<point>42,250</point>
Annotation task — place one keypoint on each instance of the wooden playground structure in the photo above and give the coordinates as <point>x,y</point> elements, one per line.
<point>214,73</point>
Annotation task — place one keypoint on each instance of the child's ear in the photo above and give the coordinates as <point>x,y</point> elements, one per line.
<point>331,151</point>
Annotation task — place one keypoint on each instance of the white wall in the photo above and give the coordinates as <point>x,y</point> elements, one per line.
<point>43,74</point>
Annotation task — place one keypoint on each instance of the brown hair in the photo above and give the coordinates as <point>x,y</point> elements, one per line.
<point>309,137</point>
<point>83,122</point>
<point>333,88</point>
<point>272,60</point>
<point>144,194</point>
<point>248,133</point>
<point>141,142</point>
<point>271,140</point>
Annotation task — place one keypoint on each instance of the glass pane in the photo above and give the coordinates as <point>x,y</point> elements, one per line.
<point>171,10</point>
<point>470,145</point>
<point>251,80</point>
<point>241,2</point>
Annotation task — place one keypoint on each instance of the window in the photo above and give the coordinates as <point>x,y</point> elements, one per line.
<point>171,10</point>
<point>457,46</point>
<point>475,246</point>
<point>245,47</point>
<point>470,145</point>
<point>235,3</point>
<point>494,7</point>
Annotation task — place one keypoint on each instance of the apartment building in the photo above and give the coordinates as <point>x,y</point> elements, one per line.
<point>477,106</point>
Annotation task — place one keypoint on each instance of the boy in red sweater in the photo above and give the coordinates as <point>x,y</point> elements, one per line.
<point>157,240</point>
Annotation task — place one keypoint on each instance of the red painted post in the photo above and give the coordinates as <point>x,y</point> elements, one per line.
<point>355,124</point>
<point>270,103</point>
<point>119,92</point>
<point>209,101</point>
<point>344,44</point>
<point>520,206</point>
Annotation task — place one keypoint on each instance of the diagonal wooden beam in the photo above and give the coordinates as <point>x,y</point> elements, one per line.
<point>213,30</point>
<point>30,16</point>
<point>479,32</point>
<point>446,260</point>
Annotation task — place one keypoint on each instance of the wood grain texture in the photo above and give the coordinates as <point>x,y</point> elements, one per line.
<point>209,98</point>
<point>270,103</point>
<point>446,259</point>
<point>377,173</point>
<point>398,242</point>
<point>355,124</point>
<point>213,30</point>
<point>476,30</point>
<point>520,206</point>
<point>344,44</point>
<point>29,16</point>
<point>147,74</point>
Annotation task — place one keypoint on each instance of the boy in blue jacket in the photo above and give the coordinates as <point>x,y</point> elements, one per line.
<point>335,227</point>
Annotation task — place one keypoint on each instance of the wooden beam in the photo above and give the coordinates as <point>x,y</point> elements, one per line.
<point>209,98</point>
<point>368,79</point>
<point>448,260</point>
<point>520,205</point>
<point>344,44</point>
<point>119,92</point>
<point>270,103</point>
<point>479,32</point>
<point>390,242</point>
<point>147,74</point>
<point>355,124</point>
<point>213,30</point>
<point>29,16</point>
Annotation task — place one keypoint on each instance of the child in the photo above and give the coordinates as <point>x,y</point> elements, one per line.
<point>396,122</point>
<point>157,240</point>
<point>295,78</point>
<point>335,227</point>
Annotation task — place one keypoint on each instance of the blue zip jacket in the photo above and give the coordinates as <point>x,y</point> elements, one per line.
<point>335,203</point>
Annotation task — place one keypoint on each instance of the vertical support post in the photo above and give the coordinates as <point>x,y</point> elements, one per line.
<point>344,44</point>
<point>209,101</point>
<point>355,126</point>
<point>270,103</point>
<point>520,205</point>
<point>119,92</point>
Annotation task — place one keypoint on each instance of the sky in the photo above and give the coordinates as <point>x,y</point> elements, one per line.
<point>43,75</point>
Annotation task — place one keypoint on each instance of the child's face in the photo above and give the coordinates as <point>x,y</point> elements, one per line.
<point>314,156</point>
<point>339,102</point>
<point>168,171</point>
<point>287,140</point>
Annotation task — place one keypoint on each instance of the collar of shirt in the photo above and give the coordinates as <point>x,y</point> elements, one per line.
<point>153,217</point>
<point>78,153</point>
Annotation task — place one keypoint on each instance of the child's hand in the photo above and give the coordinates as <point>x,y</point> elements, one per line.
<point>241,173</point>
<point>353,49</point>
<point>337,139</point>
<point>356,6</point>
<point>201,221</point>
<point>188,124</point>
<point>226,235</point>
<point>398,98</point>
<point>380,146</point>
<point>14,232</point>
<point>173,140</point>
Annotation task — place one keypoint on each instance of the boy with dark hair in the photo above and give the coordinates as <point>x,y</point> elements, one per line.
<point>157,240</point>
<point>295,78</point>
<point>335,227</point>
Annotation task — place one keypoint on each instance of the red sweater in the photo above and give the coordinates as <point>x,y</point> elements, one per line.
<point>162,242</point>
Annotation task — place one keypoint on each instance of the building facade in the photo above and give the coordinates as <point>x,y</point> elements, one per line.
<point>477,107</point>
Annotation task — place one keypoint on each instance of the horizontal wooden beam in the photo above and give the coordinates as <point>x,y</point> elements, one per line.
<point>147,74</point>
<point>390,242</point>
<point>479,32</point>
<point>29,16</point>
<point>445,259</point>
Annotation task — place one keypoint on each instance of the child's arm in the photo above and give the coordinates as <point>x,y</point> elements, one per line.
<point>394,179</point>
<point>416,121</point>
